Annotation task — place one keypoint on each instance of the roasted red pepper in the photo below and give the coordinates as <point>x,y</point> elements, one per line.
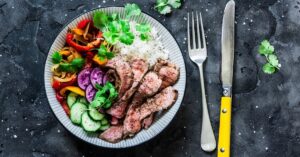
<point>69,40</point>
<point>59,85</point>
<point>83,23</point>
<point>59,98</point>
<point>66,107</point>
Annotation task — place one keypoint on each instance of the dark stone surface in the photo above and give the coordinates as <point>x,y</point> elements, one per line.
<point>266,108</point>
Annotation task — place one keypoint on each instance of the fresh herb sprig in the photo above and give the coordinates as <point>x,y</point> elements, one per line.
<point>105,96</point>
<point>165,6</point>
<point>116,29</point>
<point>73,66</point>
<point>267,50</point>
<point>103,53</point>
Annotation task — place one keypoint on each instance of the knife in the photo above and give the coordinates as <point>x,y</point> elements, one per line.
<point>226,78</point>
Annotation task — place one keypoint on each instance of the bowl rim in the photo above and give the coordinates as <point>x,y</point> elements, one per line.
<point>78,137</point>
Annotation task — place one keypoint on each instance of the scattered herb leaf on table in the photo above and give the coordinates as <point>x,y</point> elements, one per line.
<point>267,50</point>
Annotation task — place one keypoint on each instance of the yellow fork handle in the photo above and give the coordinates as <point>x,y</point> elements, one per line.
<point>225,128</point>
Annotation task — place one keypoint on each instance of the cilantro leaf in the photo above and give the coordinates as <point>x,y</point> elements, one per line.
<point>265,48</point>
<point>77,62</point>
<point>144,37</point>
<point>143,28</point>
<point>125,27</point>
<point>268,68</point>
<point>103,53</point>
<point>174,3</point>
<point>102,99</point>
<point>164,9</point>
<point>100,19</point>
<point>56,57</point>
<point>67,67</point>
<point>127,38</point>
<point>273,60</point>
<point>132,10</point>
<point>110,37</point>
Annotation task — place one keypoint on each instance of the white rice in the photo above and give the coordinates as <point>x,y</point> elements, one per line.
<point>150,50</point>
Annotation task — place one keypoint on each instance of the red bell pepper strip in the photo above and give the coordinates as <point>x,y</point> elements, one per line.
<point>69,40</point>
<point>83,23</point>
<point>59,98</point>
<point>66,107</point>
<point>59,85</point>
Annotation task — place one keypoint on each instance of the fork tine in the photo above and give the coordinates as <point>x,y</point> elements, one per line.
<point>202,30</point>
<point>198,31</point>
<point>193,31</point>
<point>188,31</point>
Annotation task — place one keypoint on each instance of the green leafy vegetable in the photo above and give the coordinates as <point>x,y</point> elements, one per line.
<point>72,67</point>
<point>77,62</point>
<point>118,30</point>
<point>165,6</point>
<point>103,53</point>
<point>56,57</point>
<point>100,19</point>
<point>102,99</point>
<point>132,10</point>
<point>268,68</point>
<point>144,30</point>
<point>266,49</point>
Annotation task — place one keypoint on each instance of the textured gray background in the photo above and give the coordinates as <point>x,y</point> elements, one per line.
<point>266,108</point>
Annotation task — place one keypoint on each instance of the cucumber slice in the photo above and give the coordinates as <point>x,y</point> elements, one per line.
<point>82,100</point>
<point>104,127</point>
<point>89,124</point>
<point>76,112</point>
<point>94,114</point>
<point>104,121</point>
<point>71,99</point>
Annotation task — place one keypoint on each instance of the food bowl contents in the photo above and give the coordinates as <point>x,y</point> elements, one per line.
<point>113,75</point>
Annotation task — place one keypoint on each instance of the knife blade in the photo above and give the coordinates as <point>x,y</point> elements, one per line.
<point>228,47</point>
<point>226,78</point>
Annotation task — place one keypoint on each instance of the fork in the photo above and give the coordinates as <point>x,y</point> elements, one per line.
<point>198,54</point>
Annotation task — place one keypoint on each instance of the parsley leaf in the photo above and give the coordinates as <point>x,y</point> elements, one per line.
<point>103,53</point>
<point>174,3</point>
<point>265,48</point>
<point>268,68</point>
<point>104,96</point>
<point>132,10</point>
<point>144,29</point>
<point>165,6</point>
<point>56,57</point>
<point>127,38</point>
<point>77,62</point>
<point>100,19</point>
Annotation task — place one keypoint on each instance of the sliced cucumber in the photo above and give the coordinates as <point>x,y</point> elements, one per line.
<point>95,114</point>
<point>71,99</point>
<point>104,127</point>
<point>89,124</point>
<point>82,100</point>
<point>104,121</point>
<point>76,112</point>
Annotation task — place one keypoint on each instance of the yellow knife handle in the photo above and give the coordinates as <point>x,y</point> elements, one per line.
<point>225,128</point>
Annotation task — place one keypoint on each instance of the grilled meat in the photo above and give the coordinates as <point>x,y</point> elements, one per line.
<point>124,73</point>
<point>148,121</point>
<point>113,134</point>
<point>139,68</point>
<point>149,86</point>
<point>167,72</point>
<point>163,100</point>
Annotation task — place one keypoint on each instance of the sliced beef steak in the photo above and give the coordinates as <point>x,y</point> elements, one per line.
<point>124,73</point>
<point>167,72</point>
<point>118,109</point>
<point>113,134</point>
<point>139,68</point>
<point>149,86</point>
<point>148,121</point>
<point>163,100</point>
